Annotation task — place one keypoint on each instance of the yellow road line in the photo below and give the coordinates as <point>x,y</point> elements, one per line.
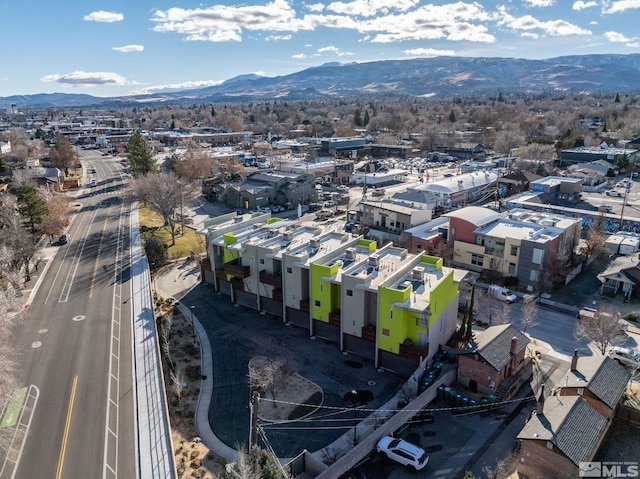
<point>67,425</point>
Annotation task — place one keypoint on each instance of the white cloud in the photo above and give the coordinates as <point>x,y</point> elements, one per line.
<point>176,86</point>
<point>616,37</point>
<point>80,78</point>
<point>129,48</point>
<point>621,6</point>
<point>527,23</point>
<point>104,17</point>
<point>540,3</point>
<point>580,5</point>
<point>428,52</point>
<point>370,8</point>
<point>277,37</point>
<point>335,50</point>
<point>222,23</point>
<point>299,56</point>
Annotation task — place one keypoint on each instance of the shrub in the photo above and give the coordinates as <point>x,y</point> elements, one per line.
<point>632,316</point>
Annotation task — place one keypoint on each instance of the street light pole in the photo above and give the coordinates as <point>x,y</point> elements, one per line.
<point>354,398</point>
<point>193,325</point>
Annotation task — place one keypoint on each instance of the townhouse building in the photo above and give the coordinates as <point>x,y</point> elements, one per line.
<point>385,304</point>
<point>586,154</point>
<point>273,187</point>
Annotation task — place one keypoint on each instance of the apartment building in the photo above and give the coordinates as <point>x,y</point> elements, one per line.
<point>381,303</point>
<point>520,245</point>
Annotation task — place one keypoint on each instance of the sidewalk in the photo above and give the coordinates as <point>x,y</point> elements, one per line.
<point>175,281</point>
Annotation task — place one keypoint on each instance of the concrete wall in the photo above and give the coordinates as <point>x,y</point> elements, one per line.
<point>370,431</point>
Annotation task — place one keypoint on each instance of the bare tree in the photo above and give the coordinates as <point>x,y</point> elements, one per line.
<point>57,217</point>
<point>177,382</point>
<point>164,330</point>
<point>193,165</point>
<point>8,354</point>
<point>164,195</point>
<point>602,328</point>
<point>62,154</point>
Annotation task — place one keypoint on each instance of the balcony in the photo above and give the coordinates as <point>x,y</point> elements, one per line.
<point>412,351</point>
<point>334,318</point>
<point>272,279</point>
<point>277,295</point>
<point>369,333</point>
<point>233,268</point>
<point>304,305</point>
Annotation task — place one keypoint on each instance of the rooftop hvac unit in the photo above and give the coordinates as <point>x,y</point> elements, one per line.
<point>287,236</point>
<point>237,219</point>
<point>374,260</point>
<point>314,243</point>
<point>418,272</point>
<point>406,284</point>
<point>350,253</point>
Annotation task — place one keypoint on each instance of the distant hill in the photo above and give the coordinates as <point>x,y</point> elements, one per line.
<point>440,76</point>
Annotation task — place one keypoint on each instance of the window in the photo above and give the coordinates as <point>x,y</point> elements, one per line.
<point>289,270</point>
<point>514,251</point>
<point>533,275</point>
<point>538,254</point>
<point>477,259</point>
<point>349,292</point>
<point>317,303</point>
<point>385,332</point>
<point>261,260</point>
<point>419,246</point>
<point>512,268</point>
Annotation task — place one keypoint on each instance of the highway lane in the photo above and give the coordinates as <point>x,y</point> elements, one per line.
<point>76,339</point>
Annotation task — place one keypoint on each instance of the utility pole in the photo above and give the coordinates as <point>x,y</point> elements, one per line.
<point>253,407</point>
<point>627,187</point>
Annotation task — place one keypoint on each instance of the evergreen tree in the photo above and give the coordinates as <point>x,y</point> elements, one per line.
<point>358,117</point>
<point>452,116</point>
<point>141,158</point>
<point>365,122</point>
<point>468,331</point>
<point>31,207</point>
<point>617,99</point>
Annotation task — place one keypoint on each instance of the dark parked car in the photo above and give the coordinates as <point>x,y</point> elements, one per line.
<point>64,239</point>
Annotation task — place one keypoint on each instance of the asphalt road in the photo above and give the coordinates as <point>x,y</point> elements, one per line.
<point>76,343</point>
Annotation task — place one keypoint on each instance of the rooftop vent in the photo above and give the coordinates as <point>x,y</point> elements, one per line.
<point>314,243</point>
<point>237,219</point>
<point>350,253</point>
<point>374,260</point>
<point>287,236</point>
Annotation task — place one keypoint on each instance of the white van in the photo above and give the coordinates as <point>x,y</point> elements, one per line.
<point>503,294</point>
<point>324,214</point>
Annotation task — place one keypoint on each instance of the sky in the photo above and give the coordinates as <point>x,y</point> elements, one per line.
<point>118,48</point>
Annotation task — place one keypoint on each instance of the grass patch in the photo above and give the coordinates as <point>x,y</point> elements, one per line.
<point>187,240</point>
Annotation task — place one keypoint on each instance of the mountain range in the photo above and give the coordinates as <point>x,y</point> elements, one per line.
<point>440,76</point>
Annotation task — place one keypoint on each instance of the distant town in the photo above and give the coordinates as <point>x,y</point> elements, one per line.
<point>485,251</point>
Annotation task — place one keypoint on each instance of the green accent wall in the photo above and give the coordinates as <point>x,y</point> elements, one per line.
<point>391,319</point>
<point>229,255</point>
<point>325,292</point>
<point>404,324</point>
<point>370,244</point>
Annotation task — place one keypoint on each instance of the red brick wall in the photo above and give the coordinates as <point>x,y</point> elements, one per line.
<point>593,401</point>
<point>536,461</point>
<point>481,372</point>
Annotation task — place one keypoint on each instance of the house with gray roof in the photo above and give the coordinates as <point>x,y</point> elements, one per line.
<point>563,432</point>
<point>621,276</point>
<point>492,361</point>
<point>599,380</point>
<point>568,427</point>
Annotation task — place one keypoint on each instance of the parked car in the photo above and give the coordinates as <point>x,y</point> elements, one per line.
<point>403,452</point>
<point>614,193</point>
<point>625,356</point>
<point>605,208</point>
<point>342,188</point>
<point>264,209</point>
<point>329,204</point>
<point>93,182</point>
<point>348,226</point>
<point>63,239</point>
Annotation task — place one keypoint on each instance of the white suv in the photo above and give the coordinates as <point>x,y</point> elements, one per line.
<point>403,452</point>
<point>625,356</point>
